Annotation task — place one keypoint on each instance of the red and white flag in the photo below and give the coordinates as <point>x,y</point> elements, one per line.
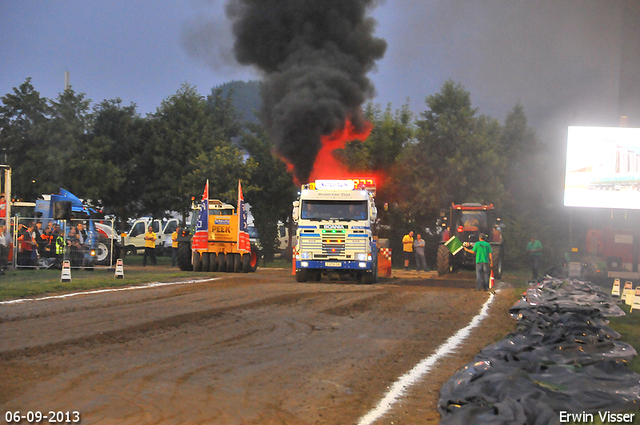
<point>243,231</point>
<point>201,237</point>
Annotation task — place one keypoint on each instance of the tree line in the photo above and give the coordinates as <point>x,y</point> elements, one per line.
<point>132,165</point>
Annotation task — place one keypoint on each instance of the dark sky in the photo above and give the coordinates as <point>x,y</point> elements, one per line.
<point>564,60</point>
<point>560,59</point>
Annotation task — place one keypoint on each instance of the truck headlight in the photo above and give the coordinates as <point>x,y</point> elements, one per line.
<point>306,255</point>
<point>304,264</point>
<point>361,256</point>
<point>362,265</point>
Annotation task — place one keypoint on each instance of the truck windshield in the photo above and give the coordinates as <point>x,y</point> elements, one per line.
<point>228,211</point>
<point>337,210</point>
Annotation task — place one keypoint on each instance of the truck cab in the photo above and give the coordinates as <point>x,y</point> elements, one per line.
<point>335,230</point>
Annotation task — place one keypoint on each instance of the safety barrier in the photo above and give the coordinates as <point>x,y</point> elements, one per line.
<point>562,358</point>
<point>41,244</point>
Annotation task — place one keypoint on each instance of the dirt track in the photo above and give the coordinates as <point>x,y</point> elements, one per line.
<point>244,349</point>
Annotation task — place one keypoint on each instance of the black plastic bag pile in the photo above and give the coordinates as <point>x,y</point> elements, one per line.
<point>562,358</point>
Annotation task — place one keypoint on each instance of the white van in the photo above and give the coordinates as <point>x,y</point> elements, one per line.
<point>283,238</point>
<point>134,238</point>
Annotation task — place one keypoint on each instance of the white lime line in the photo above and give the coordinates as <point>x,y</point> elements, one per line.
<point>398,389</point>
<point>99,291</point>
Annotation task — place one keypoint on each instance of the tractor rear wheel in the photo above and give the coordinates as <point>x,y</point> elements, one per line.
<point>444,260</point>
<point>184,256</point>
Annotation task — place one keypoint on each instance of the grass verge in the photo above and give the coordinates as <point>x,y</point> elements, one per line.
<point>24,283</point>
<point>629,327</point>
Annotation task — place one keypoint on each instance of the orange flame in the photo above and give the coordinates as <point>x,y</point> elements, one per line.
<point>327,166</point>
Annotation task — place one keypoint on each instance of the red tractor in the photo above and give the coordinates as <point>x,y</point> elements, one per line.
<point>466,222</point>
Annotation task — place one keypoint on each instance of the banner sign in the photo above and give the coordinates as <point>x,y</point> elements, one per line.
<point>243,231</point>
<point>201,237</point>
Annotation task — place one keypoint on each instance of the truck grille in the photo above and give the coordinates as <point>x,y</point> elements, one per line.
<point>333,244</point>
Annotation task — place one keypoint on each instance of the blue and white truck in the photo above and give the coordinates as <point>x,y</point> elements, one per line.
<point>335,223</point>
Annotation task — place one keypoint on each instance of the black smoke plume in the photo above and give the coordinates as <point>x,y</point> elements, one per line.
<point>315,55</point>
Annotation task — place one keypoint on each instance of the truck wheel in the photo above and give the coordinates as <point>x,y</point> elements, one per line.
<point>222,264</point>
<point>205,261</point>
<point>213,262</point>
<point>444,260</point>
<point>184,256</point>
<point>246,263</point>
<point>301,275</point>
<point>237,263</point>
<point>497,255</point>
<point>197,262</point>
<point>367,278</point>
<point>102,253</point>
<point>230,262</point>
<point>253,263</point>
<point>130,250</point>
<point>375,271</point>
<point>374,268</point>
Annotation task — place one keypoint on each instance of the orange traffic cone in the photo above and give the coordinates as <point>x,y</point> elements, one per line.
<point>293,261</point>
<point>491,280</point>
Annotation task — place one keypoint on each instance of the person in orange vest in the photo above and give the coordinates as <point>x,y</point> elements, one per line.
<point>26,245</point>
<point>75,248</point>
<point>38,231</point>
<point>3,209</point>
<point>4,248</point>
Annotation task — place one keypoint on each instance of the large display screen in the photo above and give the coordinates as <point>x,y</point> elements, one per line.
<point>603,167</point>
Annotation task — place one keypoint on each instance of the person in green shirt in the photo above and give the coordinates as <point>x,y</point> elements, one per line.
<point>484,262</point>
<point>534,249</point>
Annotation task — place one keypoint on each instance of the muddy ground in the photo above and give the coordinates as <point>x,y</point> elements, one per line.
<point>244,349</point>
